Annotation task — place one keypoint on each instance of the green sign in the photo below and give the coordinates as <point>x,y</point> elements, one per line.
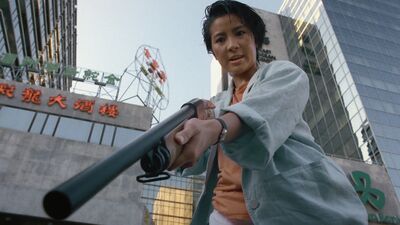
<point>362,184</point>
<point>380,218</point>
<point>9,59</point>
<point>374,197</point>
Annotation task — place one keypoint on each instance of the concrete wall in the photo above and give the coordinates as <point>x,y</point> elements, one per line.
<point>32,164</point>
<point>274,32</point>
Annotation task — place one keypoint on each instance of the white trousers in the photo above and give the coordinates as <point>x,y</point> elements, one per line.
<point>217,218</point>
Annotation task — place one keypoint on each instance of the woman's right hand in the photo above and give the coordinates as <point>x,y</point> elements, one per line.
<point>204,111</point>
<point>193,139</point>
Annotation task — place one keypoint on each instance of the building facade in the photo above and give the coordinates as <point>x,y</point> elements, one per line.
<point>47,133</point>
<point>350,49</point>
<point>38,41</point>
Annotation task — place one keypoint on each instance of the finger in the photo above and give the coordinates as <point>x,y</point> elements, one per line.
<point>183,136</point>
<point>183,160</point>
<point>210,105</point>
<point>205,110</point>
<point>210,114</point>
<point>173,148</point>
<point>207,104</point>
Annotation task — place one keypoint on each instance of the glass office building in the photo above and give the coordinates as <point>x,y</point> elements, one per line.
<point>350,50</point>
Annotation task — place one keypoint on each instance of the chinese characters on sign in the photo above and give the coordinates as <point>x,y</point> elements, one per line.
<point>31,95</point>
<point>84,105</point>
<point>109,110</point>
<point>59,99</point>
<point>7,90</point>
<point>32,65</point>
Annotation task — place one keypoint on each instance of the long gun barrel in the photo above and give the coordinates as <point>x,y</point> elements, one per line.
<point>66,198</point>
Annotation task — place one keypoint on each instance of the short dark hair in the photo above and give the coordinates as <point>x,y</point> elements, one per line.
<point>245,13</point>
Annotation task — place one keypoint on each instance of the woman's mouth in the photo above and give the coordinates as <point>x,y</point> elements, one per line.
<point>235,59</point>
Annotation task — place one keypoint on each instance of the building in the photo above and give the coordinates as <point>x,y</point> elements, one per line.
<point>49,135</point>
<point>350,48</point>
<point>350,51</point>
<point>47,132</point>
<point>38,36</point>
<point>57,119</point>
<point>172,201</point>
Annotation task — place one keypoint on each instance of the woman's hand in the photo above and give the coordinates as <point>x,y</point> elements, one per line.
<point>188,141</point>
<point>195,137</point>
<point>204,111</point>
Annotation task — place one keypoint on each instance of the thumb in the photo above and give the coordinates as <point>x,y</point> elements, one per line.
<point>183,136</point>
<point>180,139</point>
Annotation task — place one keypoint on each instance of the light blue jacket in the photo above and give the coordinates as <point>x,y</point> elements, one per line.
<point>286,178</point>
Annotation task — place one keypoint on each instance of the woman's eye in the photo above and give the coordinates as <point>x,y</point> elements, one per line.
<point>240,32</point>
<point>219,40</point>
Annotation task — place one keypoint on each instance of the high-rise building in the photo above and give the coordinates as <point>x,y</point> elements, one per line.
<point>350,52</point>
<point>350,49</point>
<point>38,41</point>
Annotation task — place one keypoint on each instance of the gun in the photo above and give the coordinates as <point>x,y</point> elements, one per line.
<point>150,148</point>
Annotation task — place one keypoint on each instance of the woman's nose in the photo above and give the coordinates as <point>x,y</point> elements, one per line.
<point>233,44</point>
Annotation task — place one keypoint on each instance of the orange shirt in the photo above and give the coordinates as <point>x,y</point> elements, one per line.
<point>228,194</point>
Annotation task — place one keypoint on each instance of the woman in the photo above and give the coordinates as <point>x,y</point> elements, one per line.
<point>263,166</point>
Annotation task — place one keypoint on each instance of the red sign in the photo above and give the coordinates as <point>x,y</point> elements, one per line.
<point>147,53</point>
<point>84,105</point>
<point>59,99</point>
<point>7,90</point>
<point>31,95</point>
<point>109,110</point>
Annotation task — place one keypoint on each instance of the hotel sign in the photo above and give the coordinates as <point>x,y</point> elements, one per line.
<point>64,103</point>
<point>33,96</point>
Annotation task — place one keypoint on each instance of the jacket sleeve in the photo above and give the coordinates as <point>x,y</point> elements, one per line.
<point>269,114</point>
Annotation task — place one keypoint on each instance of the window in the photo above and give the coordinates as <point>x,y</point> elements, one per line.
<point>16,119</point>
<point>96,133</point>
<point>38,123</point>
<point>50,125</point>
<point>73,129</point>
<point>124,136</point>
<point>108,135</point>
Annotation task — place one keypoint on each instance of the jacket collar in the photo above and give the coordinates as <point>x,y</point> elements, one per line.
<point>252,80</point>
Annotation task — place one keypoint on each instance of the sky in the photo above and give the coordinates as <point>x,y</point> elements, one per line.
<point>110,32</point>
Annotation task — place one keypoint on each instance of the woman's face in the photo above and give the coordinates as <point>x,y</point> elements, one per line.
<point>233,46</point>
